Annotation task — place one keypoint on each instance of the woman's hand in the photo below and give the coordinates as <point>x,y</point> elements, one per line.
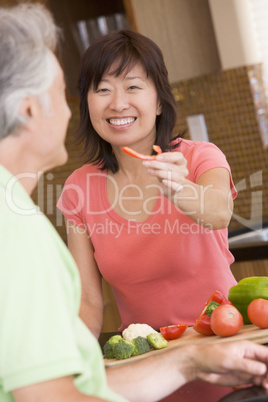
<point>207,202</point>
<point>171,170</point>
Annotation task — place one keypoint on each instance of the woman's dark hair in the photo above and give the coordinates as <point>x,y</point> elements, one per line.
<point>127,48</point>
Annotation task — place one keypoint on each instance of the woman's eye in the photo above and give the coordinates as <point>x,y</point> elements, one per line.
<point>133,87</point>
<point>102,90</point>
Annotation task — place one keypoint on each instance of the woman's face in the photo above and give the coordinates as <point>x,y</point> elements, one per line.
<point>123,109</point>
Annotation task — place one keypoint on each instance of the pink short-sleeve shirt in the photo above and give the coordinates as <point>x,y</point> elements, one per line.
<point>162,270</point>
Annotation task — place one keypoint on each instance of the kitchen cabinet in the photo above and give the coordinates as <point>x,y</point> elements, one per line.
<point>243,269</point>
<point>182,29</point>
<point>184,32</point>
<point>78,19</point>
<point>250,253</point>
<point>111,316</point>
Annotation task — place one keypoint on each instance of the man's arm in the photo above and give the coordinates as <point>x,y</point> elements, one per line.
<point>154,377</point>
<point>59,390</point>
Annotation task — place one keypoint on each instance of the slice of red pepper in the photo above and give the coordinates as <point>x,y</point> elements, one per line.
<point>173,331</point>
<point>202,324</point>
<point>219,298</point>
<point>131,152</point>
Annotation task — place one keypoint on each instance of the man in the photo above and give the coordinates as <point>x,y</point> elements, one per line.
<point>46,352</point>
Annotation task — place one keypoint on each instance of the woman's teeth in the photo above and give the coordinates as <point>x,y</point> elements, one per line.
<point>121,122</point>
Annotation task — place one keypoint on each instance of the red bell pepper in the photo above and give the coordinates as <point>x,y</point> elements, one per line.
<point>202,324</point>
<point>131,152</point>
<point>173,331</point>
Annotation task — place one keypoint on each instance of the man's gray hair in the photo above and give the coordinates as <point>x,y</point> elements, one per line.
<point>28,37</point>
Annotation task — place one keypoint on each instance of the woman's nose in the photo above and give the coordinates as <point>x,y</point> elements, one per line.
<point>119,101</point>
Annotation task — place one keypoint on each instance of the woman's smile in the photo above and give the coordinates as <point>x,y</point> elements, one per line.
<point>121,122</point>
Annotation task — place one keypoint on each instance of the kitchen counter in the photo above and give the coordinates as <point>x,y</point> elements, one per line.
<point>250,245</point>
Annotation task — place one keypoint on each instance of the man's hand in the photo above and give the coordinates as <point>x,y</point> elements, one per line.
<point>232,363</point>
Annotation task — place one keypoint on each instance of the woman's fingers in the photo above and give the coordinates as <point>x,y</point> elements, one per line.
<point>170,166</point>
<point>171,173</point>
<point>171,170</point>
<point>173,157</point>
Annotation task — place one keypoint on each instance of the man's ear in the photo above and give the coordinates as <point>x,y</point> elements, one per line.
<point>29,107</point>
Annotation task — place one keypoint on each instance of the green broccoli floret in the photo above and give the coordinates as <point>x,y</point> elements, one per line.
<point>211,307</point>
<point>157,341</point>
<point>141,345</point>
<point>123,350</point>
<point>108,347</point>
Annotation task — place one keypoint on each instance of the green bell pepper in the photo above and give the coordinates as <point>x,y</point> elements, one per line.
<point>248,289</point>
<point>211,307</point>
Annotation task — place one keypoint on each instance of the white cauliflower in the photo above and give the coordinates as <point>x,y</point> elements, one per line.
<point>135,330</point>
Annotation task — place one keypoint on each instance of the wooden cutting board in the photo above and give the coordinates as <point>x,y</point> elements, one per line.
<point>248,332</point>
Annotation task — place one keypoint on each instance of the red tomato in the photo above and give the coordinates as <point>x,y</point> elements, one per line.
<point>258,312</point>
<point>173,331</point>
<point>226,320</point>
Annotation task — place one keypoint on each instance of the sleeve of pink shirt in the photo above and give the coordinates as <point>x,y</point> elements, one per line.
<point>204,156</point>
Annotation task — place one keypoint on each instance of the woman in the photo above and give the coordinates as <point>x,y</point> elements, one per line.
<point>156,230</point>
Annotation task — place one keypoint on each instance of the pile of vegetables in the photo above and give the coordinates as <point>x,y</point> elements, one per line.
<point>136,340</point>
<point>247,303</point>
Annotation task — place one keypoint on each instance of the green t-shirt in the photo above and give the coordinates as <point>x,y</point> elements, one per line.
<point>41,335</point>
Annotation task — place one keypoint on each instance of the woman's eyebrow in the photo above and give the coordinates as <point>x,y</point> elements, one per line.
<point>128,78</point>
<point>133,77</point>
